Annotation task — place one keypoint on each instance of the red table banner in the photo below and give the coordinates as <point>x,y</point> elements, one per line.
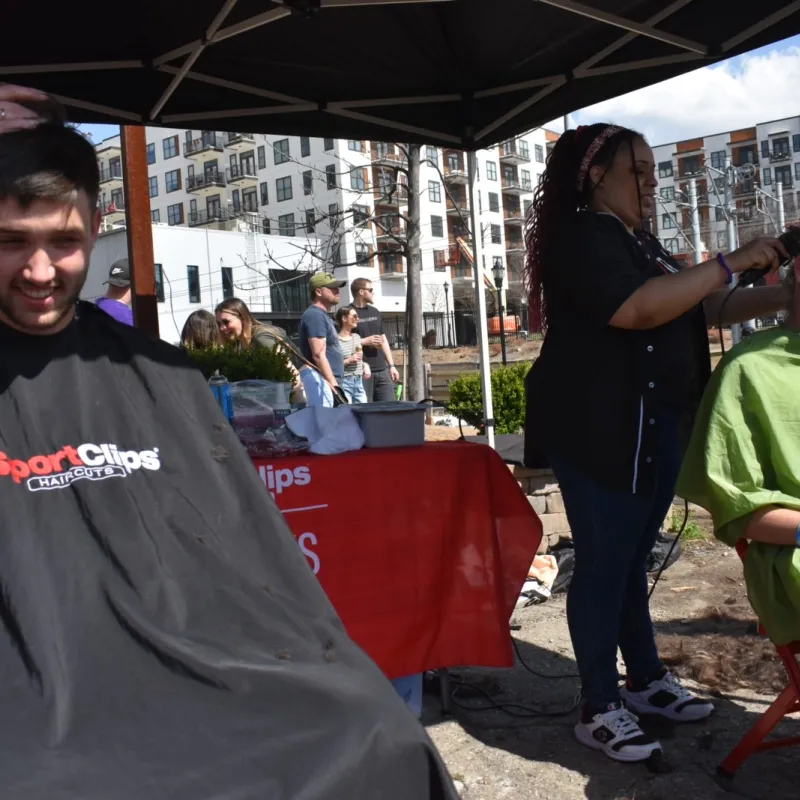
<point>421,550</point>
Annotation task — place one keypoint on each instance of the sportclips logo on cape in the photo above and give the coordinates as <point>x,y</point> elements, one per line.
<point>93,462</point>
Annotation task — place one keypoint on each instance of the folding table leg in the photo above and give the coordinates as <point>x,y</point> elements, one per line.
<point>764,725</point>
<point>444,690</point>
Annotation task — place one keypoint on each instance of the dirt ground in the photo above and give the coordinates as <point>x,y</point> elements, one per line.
<point>706,631</point>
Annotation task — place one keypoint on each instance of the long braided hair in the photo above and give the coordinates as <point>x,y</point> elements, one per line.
<point>564,189</point>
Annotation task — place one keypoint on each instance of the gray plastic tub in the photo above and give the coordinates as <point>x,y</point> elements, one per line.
<point>391,424</point>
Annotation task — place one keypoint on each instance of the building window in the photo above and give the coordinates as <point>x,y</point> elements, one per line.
<point>333,215</point>
<point>766,176</point>
<point>765,148</point>
<point>171,147</point>
<point>495,231</point>
<point>360,214</point>
<point>667,222</point>
<point>783,175</point>
<point>236,201</point>
<point>437,226</point>
<point>434,191</point>
<point>358,179</point>
<point>155,215</point>
<point>525,175</point>
<point>281,150</point>
<point>667,192</point>
<point>526,206</point>
<point>193,279</point>
<point>780,147</point>
<point>719,214</point>
<point>264,193</point>
<point>432,155</point>
<point>718,159</point>
<point>673,245</point>
<point>159,275</point>
<point>796,142</point>
<point>311,221</point>
<point>797,171</point>
<point>284,187</point>
<point>172,180</point>
<point>691,165</point>
<point>151,153</point>
<point>538,151</point>
<point>286,225</point>
<point>175,214</point>
<point>262,157</point>
<point>266,228</point>
<point>355,145</point>
<point>330,176</point>
<point>665,169</point>
<point>227,282</point>
<point>491,171</point>
<point>722,240</point>
<point>249,199</point>
<point>305,146</point>
<point>327,145</point>
<point>362,253</point>
<point>308,182</point>
<point>154,186</point>
<point>494,202</point>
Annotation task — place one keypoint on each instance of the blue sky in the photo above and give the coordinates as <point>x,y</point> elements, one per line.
<point>755,87</point>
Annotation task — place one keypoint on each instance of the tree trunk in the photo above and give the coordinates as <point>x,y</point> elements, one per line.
<point>416,371</point>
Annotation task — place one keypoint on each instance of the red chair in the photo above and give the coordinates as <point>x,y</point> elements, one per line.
<point>788,702</point>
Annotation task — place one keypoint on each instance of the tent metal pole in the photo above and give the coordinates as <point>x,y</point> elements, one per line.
<point>481,327</point>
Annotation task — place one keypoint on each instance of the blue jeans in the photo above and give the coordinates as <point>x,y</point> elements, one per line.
<point>353,387</point>
<point>607,607</point>
<point>318,392</point>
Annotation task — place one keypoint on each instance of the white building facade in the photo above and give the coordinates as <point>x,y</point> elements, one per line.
<point>336,202</point>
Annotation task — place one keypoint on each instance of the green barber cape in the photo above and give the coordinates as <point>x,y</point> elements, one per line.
<point>744,455</point>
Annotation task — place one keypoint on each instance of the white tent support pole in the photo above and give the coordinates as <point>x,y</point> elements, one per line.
<point>629,37</point>
<point>192,57</point>
<point>517,87</point>
<point>396,101</point>
<point>697,244</point>
<point>87,66</point>
<point>342,3</point>
<point>556,84</point>
<point>392,125</point>
<point>646,63</point>
<point>136,119</point>
<point>627,25</point>
<point>233,85</point>
<point>251,24</point>
<point>481,327</point>
<point>761,25</point>
<point>295,108</point>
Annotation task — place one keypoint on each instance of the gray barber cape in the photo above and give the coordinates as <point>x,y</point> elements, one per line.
<point>162,634</point>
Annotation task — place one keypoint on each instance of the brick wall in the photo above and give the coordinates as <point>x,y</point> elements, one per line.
<point>543,494</point>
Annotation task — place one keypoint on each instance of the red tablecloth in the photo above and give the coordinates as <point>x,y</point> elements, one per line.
<point>421,550</point>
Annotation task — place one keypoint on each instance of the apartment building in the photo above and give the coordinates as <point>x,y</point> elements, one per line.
<point>769,154</point>
<point>340,202</point>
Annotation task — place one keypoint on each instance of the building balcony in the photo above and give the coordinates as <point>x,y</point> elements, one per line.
<point>514,216</point>
<point>515,246</point>
<point>391,267</point>
<point>109,150</point>
<point>244,176</point>
<point>383,158</point>
<point>207,143</point>
<point>458,206</point>
<point>207,184</point>
<point>113,211</point>
<point>461,274</point>
<point>514,275</point>
<point>456,175</point>
<point>777,158</point>
<point>389,230</point>
<point>514,151</point>
<point>240,141</point>
<point>214,216</point>
<point>111,178</point>
<point>516,186</point>
<point>391,196</point>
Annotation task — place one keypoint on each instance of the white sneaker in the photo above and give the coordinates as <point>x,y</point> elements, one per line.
<point>668,697</point>
<point>617,733</point>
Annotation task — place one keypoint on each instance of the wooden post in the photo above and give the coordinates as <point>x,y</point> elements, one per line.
<point>139,228</point>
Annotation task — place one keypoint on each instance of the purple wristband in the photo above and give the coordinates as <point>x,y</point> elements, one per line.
<point>724,264</point>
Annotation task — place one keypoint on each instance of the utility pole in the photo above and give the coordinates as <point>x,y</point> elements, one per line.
<point>697,242</point>
<point>781,210</point>
<point>733,243</point>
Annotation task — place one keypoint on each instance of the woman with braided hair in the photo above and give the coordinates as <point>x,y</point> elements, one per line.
<point>622,368</point>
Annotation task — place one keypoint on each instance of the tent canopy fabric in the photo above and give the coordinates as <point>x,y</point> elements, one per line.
<point>460,73</point>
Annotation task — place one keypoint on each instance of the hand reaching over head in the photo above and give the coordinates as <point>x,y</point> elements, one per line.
<point>22,107</point>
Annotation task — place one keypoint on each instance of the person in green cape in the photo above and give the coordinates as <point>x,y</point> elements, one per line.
<point>743,465</point>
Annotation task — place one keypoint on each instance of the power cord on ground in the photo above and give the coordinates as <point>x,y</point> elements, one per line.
<point>672,547</point>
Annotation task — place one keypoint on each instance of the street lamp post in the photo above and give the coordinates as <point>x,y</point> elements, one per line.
<point>524,303</point>
<point>497,273</point>
<point>447,312</point>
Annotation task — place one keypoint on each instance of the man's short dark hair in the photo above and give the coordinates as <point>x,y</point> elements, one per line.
<point>49,162</point>
<point>358,284</point>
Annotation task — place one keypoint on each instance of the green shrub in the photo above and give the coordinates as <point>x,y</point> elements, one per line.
<point>508,398</point>
<point>257,363</point>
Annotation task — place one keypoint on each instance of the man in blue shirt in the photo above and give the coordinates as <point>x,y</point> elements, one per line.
<point>117,302</point>
<point>319,342</point>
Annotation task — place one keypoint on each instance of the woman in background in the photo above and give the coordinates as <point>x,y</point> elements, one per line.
<point>355,368</point>
<point>200,331</point>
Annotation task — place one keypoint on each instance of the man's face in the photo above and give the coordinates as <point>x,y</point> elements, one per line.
<point>329,296</point>
<point>366,293</point>
<point>44,258</point>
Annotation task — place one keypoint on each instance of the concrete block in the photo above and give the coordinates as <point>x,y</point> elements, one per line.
<point>554,523</point>
<point>555,503</point>
<point>543,484</point>
<point>538,503</point>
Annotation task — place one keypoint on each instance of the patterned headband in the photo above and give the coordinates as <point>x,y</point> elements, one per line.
<point>594,149</point>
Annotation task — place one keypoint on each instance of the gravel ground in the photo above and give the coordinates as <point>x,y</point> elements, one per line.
<point>494,755</point>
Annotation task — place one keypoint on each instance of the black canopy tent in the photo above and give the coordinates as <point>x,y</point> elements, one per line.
<point>453,73</point>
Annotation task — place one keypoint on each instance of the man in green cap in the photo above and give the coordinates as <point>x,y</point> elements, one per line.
<point>319,342</point>
<point>743,465</point>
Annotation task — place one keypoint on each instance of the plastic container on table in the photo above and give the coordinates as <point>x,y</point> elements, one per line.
<point>410,689</point>
<point>391,423</point>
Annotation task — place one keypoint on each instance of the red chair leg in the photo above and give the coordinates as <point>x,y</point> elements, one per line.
<point>765,724</point>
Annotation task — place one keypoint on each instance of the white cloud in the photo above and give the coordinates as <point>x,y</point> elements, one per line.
<point>739,93</point>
